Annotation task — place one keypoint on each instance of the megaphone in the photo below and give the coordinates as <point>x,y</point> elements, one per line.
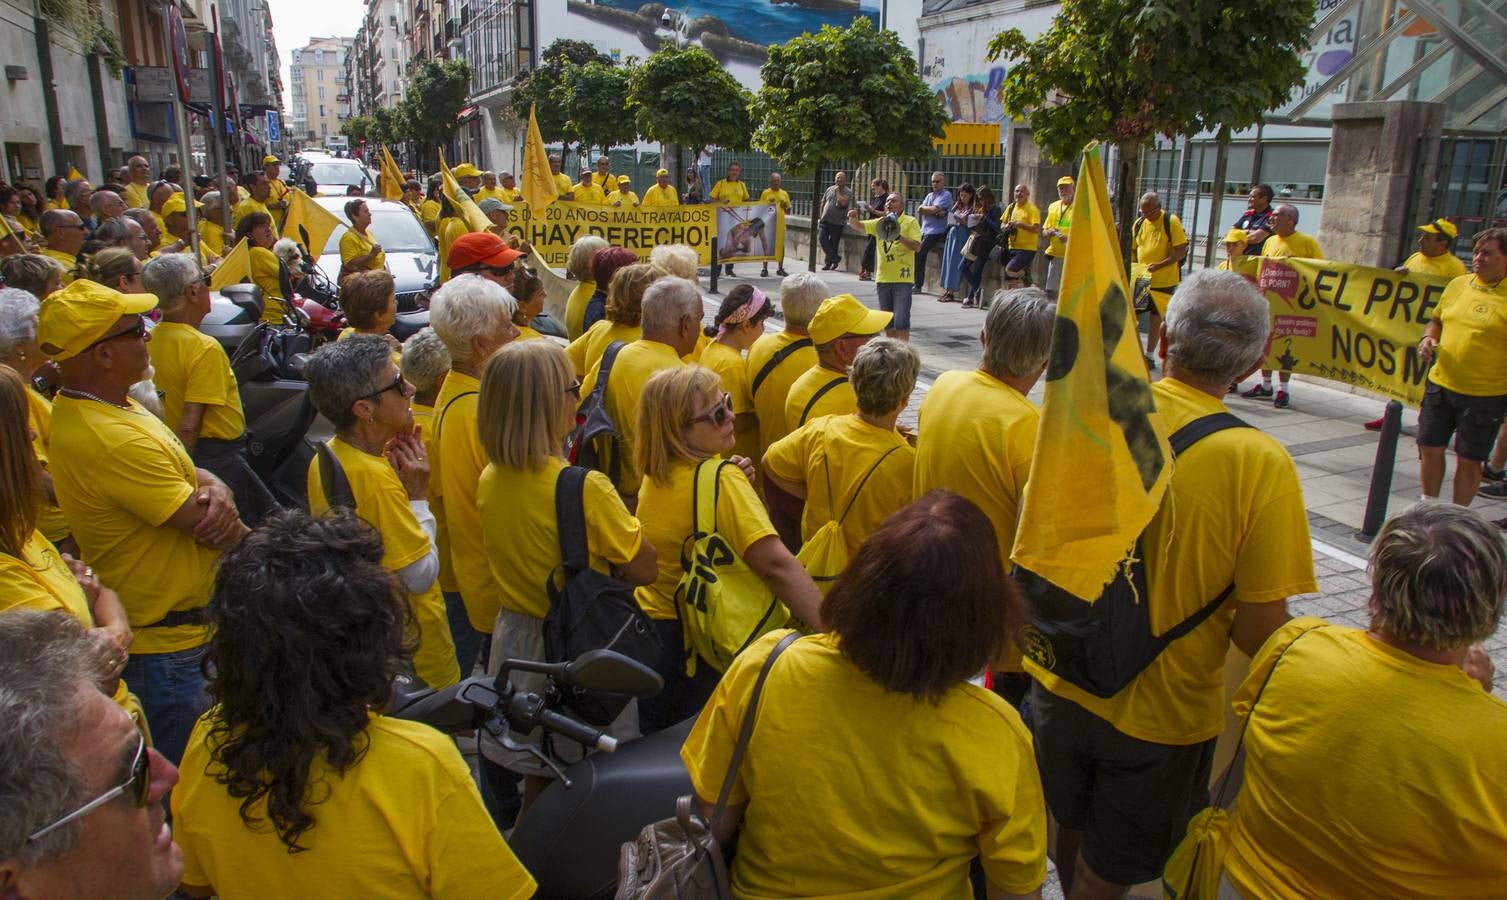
<point>888,228</point>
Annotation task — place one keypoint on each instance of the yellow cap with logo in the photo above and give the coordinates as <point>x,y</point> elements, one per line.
<point>842,315</point>
<point>74,319</point>
<point>1441,226</point>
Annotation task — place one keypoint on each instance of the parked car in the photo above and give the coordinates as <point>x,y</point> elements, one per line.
<point>333,176</point>
<point>411,254</point>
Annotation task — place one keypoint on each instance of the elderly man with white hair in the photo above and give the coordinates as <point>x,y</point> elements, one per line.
<point>778,358</point>
<point>1124,774</point>
<point>672,314</point>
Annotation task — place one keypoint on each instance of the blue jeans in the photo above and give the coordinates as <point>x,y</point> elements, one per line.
<point>171,687</point>
<point>468,641</point>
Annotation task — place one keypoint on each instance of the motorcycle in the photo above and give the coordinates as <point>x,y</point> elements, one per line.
<point>570,838</point>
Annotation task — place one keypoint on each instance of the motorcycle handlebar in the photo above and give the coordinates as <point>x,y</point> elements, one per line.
<point>576,731</point>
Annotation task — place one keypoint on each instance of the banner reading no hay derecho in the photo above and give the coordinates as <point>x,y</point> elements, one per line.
<point>1352,324</point>
<point>639,229</point>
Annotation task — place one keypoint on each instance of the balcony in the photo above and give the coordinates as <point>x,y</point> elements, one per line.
<point>420,10</point>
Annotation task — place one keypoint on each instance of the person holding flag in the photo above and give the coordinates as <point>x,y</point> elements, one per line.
<point>1212,548</point>
<point>541,179</point>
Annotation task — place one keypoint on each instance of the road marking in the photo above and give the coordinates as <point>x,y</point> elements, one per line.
<point>1336,553</point>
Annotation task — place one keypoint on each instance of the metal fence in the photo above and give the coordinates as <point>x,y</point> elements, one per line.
<point>1468,187</point>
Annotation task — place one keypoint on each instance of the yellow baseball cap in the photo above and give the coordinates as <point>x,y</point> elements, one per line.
<point>624,179</point>
<point>1441,226</point>
<point>269,160</point>
<point>466,170</point>
<point>177,203</point>
<point>73,319</point>
<point>842,315</point>
<point>659,172</point>
<point>1065,181</point>
<point>1236,236</point>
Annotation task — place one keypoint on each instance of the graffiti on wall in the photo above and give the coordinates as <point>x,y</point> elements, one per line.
<point>974,97</point>
<point>724,28</point>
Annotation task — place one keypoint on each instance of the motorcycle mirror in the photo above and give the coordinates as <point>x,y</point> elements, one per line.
<point>605,670</point>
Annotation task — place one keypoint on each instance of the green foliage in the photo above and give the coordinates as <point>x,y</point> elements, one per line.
<point>435,97</point>
<point>543,87</point>
<point>687,97</point>
<point>849,93</point>
<point>357,128</point>
<point>595,99</point>
<point>1125,70</point>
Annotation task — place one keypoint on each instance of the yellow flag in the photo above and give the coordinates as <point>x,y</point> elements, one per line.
<point>309,223</point>
<point>234,268</point>
<point>465,207</point>
<point>74,174</point>
<point>1098,418</point>
<point>538,184</point>
<point>392,179</point>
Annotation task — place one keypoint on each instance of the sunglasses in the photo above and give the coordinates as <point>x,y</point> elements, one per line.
<point>139,784</point>
<point>720,414</point>
<point>397,385</point>
<point>575,389</point>
<point>505,270</point>
<point>137,331</point>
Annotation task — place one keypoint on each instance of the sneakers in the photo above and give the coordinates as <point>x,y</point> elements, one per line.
<point>728,271</point>
<point>1282,400</point>
<point>1496,490</point>
<point>865,275</point>
<point>1375,424</point>
<point>970,303</point>
<point>781,272</point>
<point>764,272</point>
<point>1258,392</point>
<point>1490,474</point>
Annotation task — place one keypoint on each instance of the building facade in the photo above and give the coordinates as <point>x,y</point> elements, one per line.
<point>319,93</point>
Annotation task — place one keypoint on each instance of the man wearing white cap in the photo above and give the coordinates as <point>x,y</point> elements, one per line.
<point>622,194</point>
<point>278,196</point>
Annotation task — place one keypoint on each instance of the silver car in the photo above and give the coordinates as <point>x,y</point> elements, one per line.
<point>333,176</point>
<point>411,255</point>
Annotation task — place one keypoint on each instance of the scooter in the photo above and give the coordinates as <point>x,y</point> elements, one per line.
<point>570,838</point>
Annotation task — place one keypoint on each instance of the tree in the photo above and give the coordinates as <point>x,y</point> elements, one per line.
<point>849,93</point>
<point>543,87</point>
<point>1125,70</point>
<point>435,97</point>
<point>685,97</point>
<point>357,128</point>
<point>595,100</point>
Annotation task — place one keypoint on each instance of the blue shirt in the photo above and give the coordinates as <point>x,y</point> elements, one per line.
<point>936,224</point>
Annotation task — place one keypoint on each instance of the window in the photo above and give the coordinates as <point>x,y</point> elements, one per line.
<point>320,77</point>
<point>321,110</point>
<point>318,57</point>
<point>321,92</point>
<point>324,130</point>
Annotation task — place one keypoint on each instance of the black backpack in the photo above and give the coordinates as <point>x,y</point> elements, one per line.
<point>780,356</point>
<point>593,422</point>
<point>1102,646</point>
<point>589,610</point>
<point>820,393</point>
<point>337,488</point>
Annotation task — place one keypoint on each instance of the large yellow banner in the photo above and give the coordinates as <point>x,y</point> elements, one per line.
<point>1347,323</point>
<point>641,229</point>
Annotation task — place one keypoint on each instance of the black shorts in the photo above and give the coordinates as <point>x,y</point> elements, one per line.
<point>1472,420</point>
<point>1131,799</point>
<point>1019,260</point>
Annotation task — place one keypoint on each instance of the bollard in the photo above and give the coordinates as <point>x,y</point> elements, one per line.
<point>1381,471</point>
<point>716,268</point>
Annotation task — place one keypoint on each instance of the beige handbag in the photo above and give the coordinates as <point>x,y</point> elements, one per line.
<point>679,858</point>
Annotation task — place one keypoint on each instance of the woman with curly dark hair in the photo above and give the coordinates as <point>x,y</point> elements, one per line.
<point>294,784</point>
<point>267,271</point>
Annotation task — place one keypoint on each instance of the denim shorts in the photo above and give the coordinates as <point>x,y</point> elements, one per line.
<point>894,296</point>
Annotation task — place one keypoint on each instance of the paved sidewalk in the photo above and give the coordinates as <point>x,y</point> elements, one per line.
<point>1323,430</point>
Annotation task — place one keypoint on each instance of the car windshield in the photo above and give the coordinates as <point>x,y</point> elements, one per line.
<point>397,230</point>
<point>347,173</point>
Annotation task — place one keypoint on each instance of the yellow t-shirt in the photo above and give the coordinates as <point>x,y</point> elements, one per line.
<point>68,261</point>
<point>382,503</point>
<point>836,454</point>
<point>266,273</point>
<point>1315,820</point>
<point>888,796</point>
<point>630,372</point>
<point>621,197</point>
<point>590,193</point>
<point>279,189</point>
<point>586,351</point>
<point>1152,244</point>
<point>454,473</point>
<point>575,311</point>
<point>429,212</point>
<point>769,399</point>
<point>527,333</point>
<point>727,362</point>
<point>511,195</point>
<point>405,821</point>
<point>246,208</point>
<point>1472,354</point>
<point>977,437</point>
<point>1059,217</point>
<point>448,230</point>
<point>50,519</point>
<point>780,197</point>
<point>135,196</point>
<point>423,420</point>
<point>838,401</point>
<point>353,245</point>
<point>668,519</point>
<point>897,262</point>
<point>725,191</point>
<point>1233,513</point>
<point>522,534</point>
<point>124,475</point>
<point>1023,214</point>
<point>192,368</point>
<point>1297,244</point>
<point>487,193</point>
<point>562,183</point>
<point>661,196</point>
<point>1447,265</point>
<point>211,237</point>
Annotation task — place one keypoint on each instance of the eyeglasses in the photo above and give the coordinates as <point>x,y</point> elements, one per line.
<point>397,385</point>
<point>718,415</point>
<point>205,279</point>
<point>139,784</point>
<point>505,270</point>
<point>78,225</point>
<point>137,331</point>
<point>575,389</point>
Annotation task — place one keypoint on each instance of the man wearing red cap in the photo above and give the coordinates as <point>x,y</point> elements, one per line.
<point>483,253</point>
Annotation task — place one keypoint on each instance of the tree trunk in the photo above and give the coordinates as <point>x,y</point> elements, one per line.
<point>1221,165</point>
<point>1127,198</point>
<point>816,211</point>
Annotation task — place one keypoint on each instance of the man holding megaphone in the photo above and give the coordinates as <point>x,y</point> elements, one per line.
<point>897,237</point>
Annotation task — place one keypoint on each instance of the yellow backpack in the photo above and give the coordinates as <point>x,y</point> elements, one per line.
<point>723,604</point>
<point>825,556</point>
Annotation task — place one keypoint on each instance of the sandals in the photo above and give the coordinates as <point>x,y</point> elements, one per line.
<point>947,297</point>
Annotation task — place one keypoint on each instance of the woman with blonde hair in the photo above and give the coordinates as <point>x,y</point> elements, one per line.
<point>679,260</point>
<point>739,322</point>
<point>528,404</point>
<point>684,420</point>
<point>34,273</point>
<point>578,266</point>
<point>19,351</point>
<point>625,299</point>
<point>116,267</point>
